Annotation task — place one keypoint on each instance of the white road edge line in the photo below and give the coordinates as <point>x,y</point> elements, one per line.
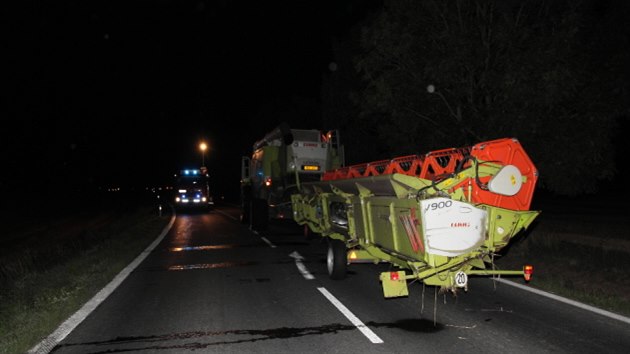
<point>565,300</point>
<point>46,345</point>
<point>268,242</point>
<point>349,315</point>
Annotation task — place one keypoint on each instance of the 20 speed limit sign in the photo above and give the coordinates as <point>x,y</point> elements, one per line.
<point>461,279</point>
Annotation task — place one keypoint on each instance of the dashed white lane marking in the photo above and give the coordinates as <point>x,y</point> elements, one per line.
<point>567,301</point>
<point>268,242</point>
<point>46,345</point>
<point>350,316</point>
<point>300,265</point>
<point>343,309</point>
<point>264,239</point>
<point>226,214</point>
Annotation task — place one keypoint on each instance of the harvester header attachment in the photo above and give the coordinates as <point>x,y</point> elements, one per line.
<point>441,216</point>
<point>509,190</point>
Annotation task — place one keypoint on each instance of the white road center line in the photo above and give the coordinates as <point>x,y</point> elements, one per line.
<point>300,266</point>
<point>349,315</point>
<point>268,242</point>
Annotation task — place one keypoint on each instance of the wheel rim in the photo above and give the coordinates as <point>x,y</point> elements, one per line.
<point>330,259</point>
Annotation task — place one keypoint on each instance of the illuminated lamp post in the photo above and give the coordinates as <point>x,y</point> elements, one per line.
<point>203,148</point>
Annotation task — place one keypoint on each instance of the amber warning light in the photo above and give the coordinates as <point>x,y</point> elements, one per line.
<point>310,168</point>
<point>528,270</point>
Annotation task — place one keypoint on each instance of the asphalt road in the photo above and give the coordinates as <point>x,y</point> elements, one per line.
<point>213,286</point>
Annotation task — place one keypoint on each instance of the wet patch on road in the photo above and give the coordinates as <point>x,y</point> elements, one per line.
<point>210,265</point>
<point>238,336</point>
<point>124,344</point>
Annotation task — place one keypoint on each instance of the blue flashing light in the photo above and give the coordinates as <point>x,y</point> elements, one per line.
<point>190,172</point>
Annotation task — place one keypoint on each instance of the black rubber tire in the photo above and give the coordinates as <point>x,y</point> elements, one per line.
<point>337,259</point>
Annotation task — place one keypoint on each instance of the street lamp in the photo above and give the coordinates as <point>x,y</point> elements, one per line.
<point>203,148</point>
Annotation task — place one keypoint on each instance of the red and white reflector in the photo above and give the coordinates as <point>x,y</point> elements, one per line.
<point>394,276</point>
<point>528,270</point>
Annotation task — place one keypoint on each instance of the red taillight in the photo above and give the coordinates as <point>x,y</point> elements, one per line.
<point>394,276</point>
<point>528,270</point>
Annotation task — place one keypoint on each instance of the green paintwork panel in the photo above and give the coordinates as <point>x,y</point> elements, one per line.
<point>394,284</point>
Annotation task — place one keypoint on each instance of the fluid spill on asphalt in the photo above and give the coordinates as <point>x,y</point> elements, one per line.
<point>249,336</point>
<point>201,248</point>
<point>210,265</point>
<point>212,247</point>
<point>252,336</point>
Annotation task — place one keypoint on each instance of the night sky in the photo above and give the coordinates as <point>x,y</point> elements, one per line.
<point>120,93</point>
<point>109,93</point>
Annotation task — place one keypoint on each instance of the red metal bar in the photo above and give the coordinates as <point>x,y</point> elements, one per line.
<point>436,164</point>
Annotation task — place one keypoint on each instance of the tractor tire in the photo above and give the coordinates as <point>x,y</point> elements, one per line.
<point>337,259</point>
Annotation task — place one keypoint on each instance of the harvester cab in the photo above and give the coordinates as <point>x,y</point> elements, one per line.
<point>279,162</point>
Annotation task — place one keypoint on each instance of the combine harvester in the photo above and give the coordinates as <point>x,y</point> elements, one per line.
<point>440,217</point>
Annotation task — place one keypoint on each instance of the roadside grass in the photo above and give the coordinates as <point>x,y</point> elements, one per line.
<point>35,300</point>
<point>586,273</point>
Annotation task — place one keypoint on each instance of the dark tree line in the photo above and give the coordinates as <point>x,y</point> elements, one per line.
<point>420,75</point>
